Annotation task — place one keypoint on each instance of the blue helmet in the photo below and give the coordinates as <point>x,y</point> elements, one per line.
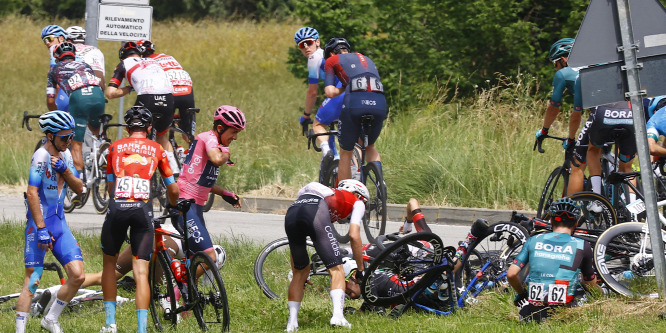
<point>305,33</point>
<point>561,48</point>
<point>53,30</point>
<point>656,103</point>
<point>55,121</point>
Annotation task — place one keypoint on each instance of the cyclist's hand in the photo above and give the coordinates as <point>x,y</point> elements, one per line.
<point>45,239</point>
<point>568,144</point>
<point>183,205</point>
<point>231,198</point>
<point>359,276</point>
<point>305,121</point>
<point>406,227</point>
<point>58,164</point>
<point>541,134</point>
<point>520,300</point>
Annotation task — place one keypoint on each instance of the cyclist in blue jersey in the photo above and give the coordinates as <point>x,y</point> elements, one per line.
<point>51,171</point>
<point>555,260</point>
<point>565,78</point>
<point>52,36</point>
<point>364,95</point>
<point>307,40</point>
<point>656,127</point>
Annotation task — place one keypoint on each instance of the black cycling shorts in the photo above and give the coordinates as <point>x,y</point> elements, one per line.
<point>350,117</point>
<point>187,122</point>
<point>309,216</point>
<point>580,151</point>
<point>135,216</point>
<point>613,123</point>
<point>161,106</point>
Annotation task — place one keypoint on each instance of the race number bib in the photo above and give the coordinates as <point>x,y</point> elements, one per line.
<point>179,77</point>
<point>133,188</point>
<point>366,84</point>
<point>636,207</point>
<point>557,294</point>
<point>536,293</point>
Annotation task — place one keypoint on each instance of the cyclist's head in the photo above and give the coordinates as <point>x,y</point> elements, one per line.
<point>146,47</point>
<point>128,49</point>
<point>305,33</point>
<point>335,45</point>
<point>564,212</point>
<point>76,34</point>
<point>64,51</point>
<point>138,118</point>
<point>56,121</point>
<point>228,121</point>
<point>355,187</point>
<point>352,287</point>
<point>655,104</point>
<point>560,49</point>
<point>52,33</point>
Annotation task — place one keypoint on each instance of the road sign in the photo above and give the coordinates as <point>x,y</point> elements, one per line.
<point>124,23</point>
<point>128,2</point>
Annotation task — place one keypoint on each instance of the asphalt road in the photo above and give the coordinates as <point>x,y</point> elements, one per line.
<point>257,227</point>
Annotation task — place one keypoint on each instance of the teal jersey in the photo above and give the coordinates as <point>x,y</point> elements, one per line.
<point>555,260</point>
<point>565,79</point>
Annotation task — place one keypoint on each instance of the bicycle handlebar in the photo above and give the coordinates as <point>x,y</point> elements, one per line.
<point>52,266</point>
<point>391,237</point>
<point>312,138</point>
<point>26,120</point>
<point>539,142</point>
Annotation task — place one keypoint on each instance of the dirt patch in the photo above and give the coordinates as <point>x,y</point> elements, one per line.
<point>12,190</point>
<point>275,191</point>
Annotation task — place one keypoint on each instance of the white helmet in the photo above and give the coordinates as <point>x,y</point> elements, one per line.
<point>76,34</point>
<point>354,186</point>
<point>221,256</point>
<point>349,266</point>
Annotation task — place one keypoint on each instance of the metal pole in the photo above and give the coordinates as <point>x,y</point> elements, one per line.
<point>631,68</point>
<point>91,18</point>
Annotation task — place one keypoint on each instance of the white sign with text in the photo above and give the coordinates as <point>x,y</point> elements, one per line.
<point>124,23</point>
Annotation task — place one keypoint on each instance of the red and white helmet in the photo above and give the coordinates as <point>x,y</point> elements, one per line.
<point>354,186</point>
<point>231,116</point>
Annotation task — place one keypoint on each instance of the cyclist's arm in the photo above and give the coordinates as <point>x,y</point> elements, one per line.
<point>35,207</point>
<point>224,193</point>
<point>167,176</point>
<point>216,156</point>
<point>311,98</point>
<point>113,90</point>
<point>587,270</point>
<point>330,89</point>
<point>71,176</point>
<point>101,77</point>
<point>515,268</point>
<point>355,233</point>
<point>574,123</point>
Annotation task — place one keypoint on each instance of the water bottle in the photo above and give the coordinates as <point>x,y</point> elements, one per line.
<point>177,269</point>
<point>180,154</point>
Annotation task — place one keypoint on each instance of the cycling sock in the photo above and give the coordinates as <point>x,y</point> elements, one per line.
<point>34,278</point>
<point>21,321</point>
<point>596,184</point>
<point>632,197</point>
<point>338,299</point>
<point>324,148</point>
<point>110,309</point>
<point>142,318</point>
<point>419,221</point>
<point>56,309</point>
<point>293,313</point>
<point>172,162</point>
<point>464,245</point>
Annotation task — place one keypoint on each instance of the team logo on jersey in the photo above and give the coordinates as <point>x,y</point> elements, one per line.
<point>135,158</point>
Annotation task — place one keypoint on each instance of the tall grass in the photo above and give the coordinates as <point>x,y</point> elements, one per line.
<point>474,152</point>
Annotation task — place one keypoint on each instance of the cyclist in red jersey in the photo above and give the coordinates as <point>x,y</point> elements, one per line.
<point>311,215</point>
<point>132,162</point>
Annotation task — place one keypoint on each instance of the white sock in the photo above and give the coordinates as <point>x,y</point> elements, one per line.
<point>56,309</point>
<point>632,197</point>
<point>596,184</point>
<point>338,299</point>
<point>324,148</point>
<point>294,307</point>
<point>172,162</point>
<point>21,321</point>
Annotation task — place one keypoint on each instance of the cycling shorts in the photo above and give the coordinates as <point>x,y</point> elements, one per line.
<point>309,216</point>
<point>353,110</point>
<point>187,122</point>
<point>329,111</point>
<point>62,100</point>
<point>86,105</point>
<point>135,216</point>
<point>65,248</point>
<point>604,128</point>
<point>199,239</point>
<point>583,140</point>
<point>161,106</point>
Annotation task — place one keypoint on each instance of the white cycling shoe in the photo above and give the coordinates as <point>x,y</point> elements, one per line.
<point>340,322</point>
<point>109,329</point>
<point>291,327</point>
<point>594,207</point>
<point>51,326</point>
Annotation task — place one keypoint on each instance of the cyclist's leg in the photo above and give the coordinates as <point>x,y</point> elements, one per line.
<point>415,216</point>
<point>577,174</point>
<point>95,105</point>
<point>328,112</point>
<point>371,153</point>
<point>627,152</point>
<point>597,137</point>
<point>296,227</point>
<point>182,103</point>
<point>78,110</point>
<point>114,232</point>
<point>33,261</point>
<point>349,134</point>
<point>141,239</point>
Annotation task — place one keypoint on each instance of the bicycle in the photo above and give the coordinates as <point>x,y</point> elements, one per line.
<point>94,160</point>
<point>199,284</point>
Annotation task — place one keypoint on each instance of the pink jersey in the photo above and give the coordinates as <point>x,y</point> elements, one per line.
<point>199,174</point>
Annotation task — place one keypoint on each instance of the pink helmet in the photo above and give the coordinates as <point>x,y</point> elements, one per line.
<point>230,116</point>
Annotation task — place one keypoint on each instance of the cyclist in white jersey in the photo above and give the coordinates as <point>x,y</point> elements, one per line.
<point>88,53</point>
<point>153,88</point>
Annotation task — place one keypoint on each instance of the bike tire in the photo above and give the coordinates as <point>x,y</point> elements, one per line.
<point>158,195</point>
<point>67,205</point>
<point>617,258</point>
<point>212,306</point>
<point>100,192</point>
<point>591,220</point>
<point>272,269</point>
<point>403,268</point>
<point>374,220</point>
<point>500,245</point>
<point>162,296</point>
<point>209,202</point>
<point>555,188</point>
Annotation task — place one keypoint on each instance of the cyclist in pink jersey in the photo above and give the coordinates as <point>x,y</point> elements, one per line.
<point>208,152</point>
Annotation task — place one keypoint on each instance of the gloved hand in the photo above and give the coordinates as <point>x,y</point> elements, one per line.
<point>60,166</point>
<point>520,299</point>
<point>230,197</point>
<point>304,121</point>
<point>541,134</point>
<point>359,276</point>
<point>407,227</point>
<point>568,144</point>
<point>44,237</point>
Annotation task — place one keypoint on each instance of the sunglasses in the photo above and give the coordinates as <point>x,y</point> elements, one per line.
<point>49,39</point>
<point>65,137</point>
<point>306,43</point>
<point>556,60</point>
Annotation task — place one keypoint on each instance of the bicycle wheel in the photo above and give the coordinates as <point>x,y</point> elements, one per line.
<point>623,258</point>
<point>272,270</point>
<point>212,306</point>
<point>498,248</point>
<point>67,205</point>
<point>403,268</point>
<point>158,195</point>
<point>601,217</point>
<point>100,191</point>
<point>162,296</point>
<point>209,202</point>
<point>374,221</point>
<point>555,188</point>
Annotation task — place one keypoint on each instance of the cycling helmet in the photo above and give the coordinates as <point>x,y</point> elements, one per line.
<point>305,33</point>
<point>127,49</point>
<point>354,186</point>
<point>53,30</point>
<point>334,45</point>
<point>561,48</point>
<point>564,210</point>
<point>55,121</point>
<point>349,265</point>
<point>231,116</point>
<point>221,256</point>
<point>146,47</point>
<point>64,50</point>
<point>76,34</point>
<point>656,103</point>
<point>138,116</point>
